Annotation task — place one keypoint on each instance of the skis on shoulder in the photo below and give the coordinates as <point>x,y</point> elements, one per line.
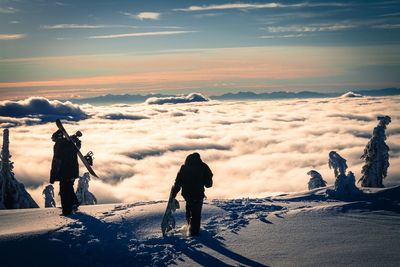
<point>83,158</point>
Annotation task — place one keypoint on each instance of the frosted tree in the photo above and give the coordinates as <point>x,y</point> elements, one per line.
<point>316,180</point>
<point>12,193</point>
<point>376,156</point>
<point>345,185</point>
<point>48,193</point>
<point>337,163</point>
<point>82,192</point>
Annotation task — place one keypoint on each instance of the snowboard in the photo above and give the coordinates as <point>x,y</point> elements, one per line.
<point>83,159</point>
<point>168,221</point>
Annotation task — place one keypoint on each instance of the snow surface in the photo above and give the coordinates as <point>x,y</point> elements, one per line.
<point>303,229</point>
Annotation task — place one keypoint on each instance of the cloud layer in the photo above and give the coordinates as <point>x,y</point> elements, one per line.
<point>122,116</point>
<point>38,110</point>
<point>254,148</point>
<point>194,97</point>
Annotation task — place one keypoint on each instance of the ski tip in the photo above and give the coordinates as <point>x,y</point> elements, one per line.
<point>58,122</point>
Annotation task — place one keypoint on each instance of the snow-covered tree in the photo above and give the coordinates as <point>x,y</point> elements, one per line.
<point>82,192</point>
<point>12,193</point>
<point>48,193</point>
<point>337,163</point>
<point>376,156</point>
<point>345,185</point>
<point>316,180</point>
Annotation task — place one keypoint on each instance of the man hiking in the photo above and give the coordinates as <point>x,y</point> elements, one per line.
<point>65,168</point>
<point>193,176</point>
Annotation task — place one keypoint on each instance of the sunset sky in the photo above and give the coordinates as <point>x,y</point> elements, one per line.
<point>69,49</point>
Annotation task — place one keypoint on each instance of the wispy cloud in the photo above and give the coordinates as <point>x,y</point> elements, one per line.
<point>255,6</point>
<point>72,26</point>
<point>139,34</point>
<point>390,14</point>
<point>208,15</point>
<point>8,10</point>
<point>310,28</point>
<point>11,36</point>
<point>60,4</point>
<point>300,35</point>
<point>63,38</point>
<point>148,15</point>
<point>386,26</point>
<point>231,6</point>
<point>103,26</point>
<point>143,15</point>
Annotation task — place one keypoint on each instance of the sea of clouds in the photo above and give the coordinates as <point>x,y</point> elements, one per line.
<point>254,148</point>
<point>36,110</point>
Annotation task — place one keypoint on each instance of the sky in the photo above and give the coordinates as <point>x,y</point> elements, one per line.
<point>67,49</point>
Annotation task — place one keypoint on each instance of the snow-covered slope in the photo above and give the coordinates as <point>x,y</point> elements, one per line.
<point>303,229</point>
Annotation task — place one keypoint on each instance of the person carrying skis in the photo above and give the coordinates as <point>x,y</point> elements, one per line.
<point>65,168</point>
<point>192,177</point>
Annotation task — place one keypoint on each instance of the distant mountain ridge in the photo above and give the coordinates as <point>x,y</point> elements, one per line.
<point>273,95</point>
<point>302,94</point>
<point>380,92</point>
<point>129,98</point>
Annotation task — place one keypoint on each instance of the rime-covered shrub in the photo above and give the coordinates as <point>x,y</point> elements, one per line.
<point>316,180</point>
<point>48,194</point>
<point>345,184</point>
<point>82,192</point>
<point>376,156</point>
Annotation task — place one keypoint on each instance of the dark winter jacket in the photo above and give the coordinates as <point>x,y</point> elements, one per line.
<point>193,176</point>
<point>65,161</point>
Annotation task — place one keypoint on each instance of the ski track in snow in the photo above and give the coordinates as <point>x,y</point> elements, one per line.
<point>240,212</point>
<point>91,235</point>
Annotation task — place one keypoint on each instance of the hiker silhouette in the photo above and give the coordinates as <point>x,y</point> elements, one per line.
<point>192,177</point>
<point>65,168</point>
